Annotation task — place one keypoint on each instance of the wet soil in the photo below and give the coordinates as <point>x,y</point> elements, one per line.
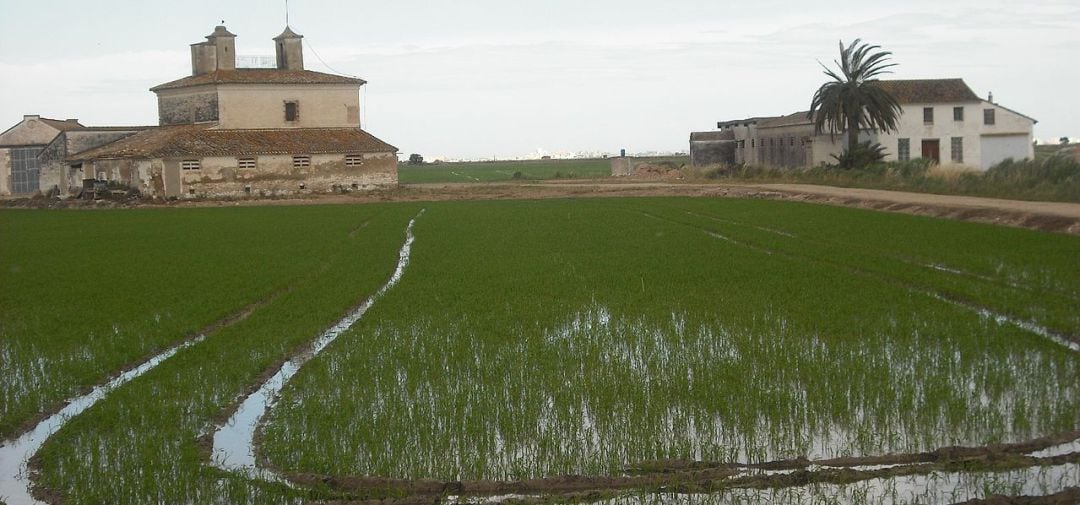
<point>1070,496</point>
<point>684,476</point>
<point>1047,216</point>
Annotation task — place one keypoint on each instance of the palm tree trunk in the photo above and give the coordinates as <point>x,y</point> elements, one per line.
<point>853,133</point>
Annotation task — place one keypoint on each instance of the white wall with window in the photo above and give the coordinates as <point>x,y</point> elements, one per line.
<point>963,132</point>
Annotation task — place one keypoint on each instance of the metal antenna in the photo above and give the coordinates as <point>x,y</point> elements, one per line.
<point>286,12</point>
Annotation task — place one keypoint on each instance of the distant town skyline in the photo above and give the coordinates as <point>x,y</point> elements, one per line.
<point>489,79</point>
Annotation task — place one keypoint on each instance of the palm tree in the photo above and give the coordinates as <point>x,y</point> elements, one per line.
<point>852,101</point>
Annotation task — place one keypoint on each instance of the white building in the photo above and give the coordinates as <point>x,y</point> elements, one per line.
<point>941,119</point>
<point>945,121</point>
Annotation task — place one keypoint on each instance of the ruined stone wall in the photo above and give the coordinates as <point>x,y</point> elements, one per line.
<point>620,166</point>
<point>122,171</point>
<point>5,172</point>
<point>274,175</point>
<point>712,152</point>
<point>187,106</point>
<point>277,175</point>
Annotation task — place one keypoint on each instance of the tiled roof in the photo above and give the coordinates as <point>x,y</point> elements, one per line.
<point>63,125</point>
<point>112,128</point>
<point>798,118</point>
<point>203,140</point>
<point>929,90</point>
<point>288,34</point>
<point>259,76</point>
<point>738,122</point>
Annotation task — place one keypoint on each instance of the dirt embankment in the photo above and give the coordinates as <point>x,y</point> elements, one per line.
<point>1047,216</point>
<point>691,477</point>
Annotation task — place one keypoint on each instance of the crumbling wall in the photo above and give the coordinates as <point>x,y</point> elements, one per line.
<point>277,175</point>
<point>620,166</point>
<point>712,152</point>
<point>5,172</point>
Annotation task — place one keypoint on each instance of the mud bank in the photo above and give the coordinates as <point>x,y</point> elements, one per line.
<point>687,477</point>
<point>1055,217</point>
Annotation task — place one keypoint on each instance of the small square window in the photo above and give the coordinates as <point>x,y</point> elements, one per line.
<point>292,111</point>
<point>988,116</point>
<point>301,161</point>
<point>245,163</point>
<point>958,113</point>
<point>354,160</point>
<point>190,165</point>
<point>928,115</point>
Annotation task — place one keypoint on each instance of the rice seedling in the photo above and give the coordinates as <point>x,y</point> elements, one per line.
<point>552,338</point>
<point>586,337</point>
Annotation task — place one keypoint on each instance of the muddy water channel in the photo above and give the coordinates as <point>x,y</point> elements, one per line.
<point>234,442</point>
<point>15,454</point>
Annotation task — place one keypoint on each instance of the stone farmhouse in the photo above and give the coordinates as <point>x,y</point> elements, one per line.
<point>33,152</point>
<point>941,119</point>
<point>223,131</point>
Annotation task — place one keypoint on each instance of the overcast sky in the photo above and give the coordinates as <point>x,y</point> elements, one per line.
<point>482,78</point>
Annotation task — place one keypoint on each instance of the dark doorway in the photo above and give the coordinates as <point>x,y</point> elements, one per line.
<point>931,150</point>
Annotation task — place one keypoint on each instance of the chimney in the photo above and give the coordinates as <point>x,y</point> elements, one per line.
<point>31,116</point>
<point>224,46</point>
<point>203,58</point>
<point>290,50</point>
<point>990,98</point>
<point>217,53</point>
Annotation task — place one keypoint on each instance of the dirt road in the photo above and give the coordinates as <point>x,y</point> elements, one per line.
<point>1047,216</point>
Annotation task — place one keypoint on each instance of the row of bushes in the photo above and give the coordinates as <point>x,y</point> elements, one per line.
<point>1054,178</point>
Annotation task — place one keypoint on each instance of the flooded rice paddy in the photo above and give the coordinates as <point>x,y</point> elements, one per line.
<point>615,351</point>
<point>15,454</point>
<point>234,442</point>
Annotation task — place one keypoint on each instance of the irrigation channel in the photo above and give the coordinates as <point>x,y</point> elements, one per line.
<point>234,442</point>
<point>15,454</point>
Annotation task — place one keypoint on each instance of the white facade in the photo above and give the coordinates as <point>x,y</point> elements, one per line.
<point>940,119</point>
<point>263,106</point>
<point>984,138</point>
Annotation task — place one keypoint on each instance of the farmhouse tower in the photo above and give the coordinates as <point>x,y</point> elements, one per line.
<point>217,53</point>
<point>290,50</point>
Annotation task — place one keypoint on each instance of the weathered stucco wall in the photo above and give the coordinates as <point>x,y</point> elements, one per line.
<point>122,171</point>
<point>263,106</point>
<point>5,172</point>
<point>620,166</point>
<point>276,175</point>
<point>273,175</point>
<point>29,132</point>
<point>193,105</point>
<point>787,146</point>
